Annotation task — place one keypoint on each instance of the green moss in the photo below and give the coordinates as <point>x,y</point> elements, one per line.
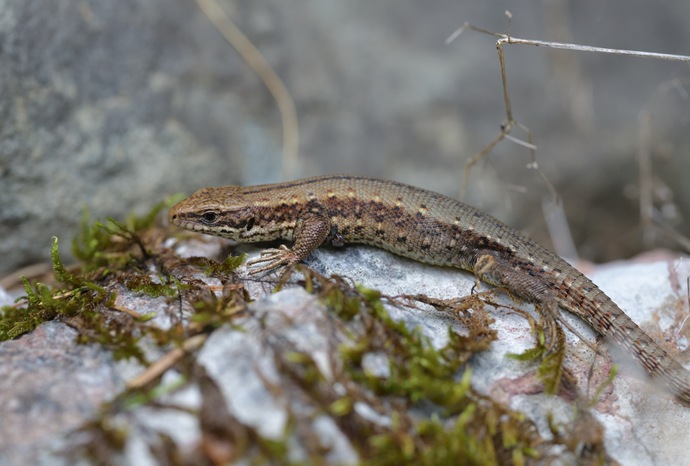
<point>109,243</point>
<point>43,303</point>
<point>226,267</point>
<point>550,350</point>
<point>463,427</point>
<point>96,244</point>
<point>113,253</point>
<point>144,284</point>
<point>613,372</point>
<point>426,392</point>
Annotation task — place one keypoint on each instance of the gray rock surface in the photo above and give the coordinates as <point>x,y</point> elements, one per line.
<point>113,106</point>
<point>50,385</point>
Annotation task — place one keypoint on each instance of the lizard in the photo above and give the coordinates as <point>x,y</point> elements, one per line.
<point>421,225</point>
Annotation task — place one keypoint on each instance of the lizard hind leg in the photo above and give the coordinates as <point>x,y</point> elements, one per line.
<point>494,270</point>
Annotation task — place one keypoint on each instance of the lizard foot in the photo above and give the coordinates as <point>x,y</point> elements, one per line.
<point>275,258</point>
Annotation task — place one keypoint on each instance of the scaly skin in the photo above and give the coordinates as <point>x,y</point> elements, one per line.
<point>421,225</point>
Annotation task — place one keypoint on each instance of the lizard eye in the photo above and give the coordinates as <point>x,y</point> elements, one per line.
<point>209,217</point>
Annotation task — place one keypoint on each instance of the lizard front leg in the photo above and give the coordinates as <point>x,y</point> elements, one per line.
<point>310,232</point>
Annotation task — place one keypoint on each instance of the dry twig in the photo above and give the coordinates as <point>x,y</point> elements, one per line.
<point>510,122</point>
<point>254,58</point>
<point>157,369</point>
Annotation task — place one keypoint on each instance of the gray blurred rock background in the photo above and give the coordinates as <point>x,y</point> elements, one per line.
<point>115,105</point>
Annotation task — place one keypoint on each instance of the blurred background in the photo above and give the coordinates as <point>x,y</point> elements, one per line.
<point>113,106</point>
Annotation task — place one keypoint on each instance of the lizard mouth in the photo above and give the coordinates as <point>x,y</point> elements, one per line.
<point>188,224</point>
<point>181,220</point>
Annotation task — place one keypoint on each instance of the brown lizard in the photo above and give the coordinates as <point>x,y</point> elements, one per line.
<point>421,225</point>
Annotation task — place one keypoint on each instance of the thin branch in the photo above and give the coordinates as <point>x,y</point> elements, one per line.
<point>520,142</point>
<point>171,358</point>
<point>644,163</point>
<point>587,48</point>
<point>653,219</point>
<point>476,158</point>
<point>681,240</point>
<point>254,58</point>
<point>507,39</point>
<point>510,122</point>
<point>13,279</point>
<point>126,310</point>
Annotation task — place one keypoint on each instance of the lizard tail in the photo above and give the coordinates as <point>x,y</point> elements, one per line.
<point>610,321</point>
<point>581,297</point>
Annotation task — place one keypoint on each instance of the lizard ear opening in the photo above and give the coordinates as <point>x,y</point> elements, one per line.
<point>250,224</point>
<point>245,224</point>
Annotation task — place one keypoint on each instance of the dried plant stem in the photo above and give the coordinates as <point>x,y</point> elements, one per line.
<point>507,39</point>
<point>510,122</point>
<point>157,369</point>
<point>652,218</point>
<point>644,162</point>
<point>254,58</point>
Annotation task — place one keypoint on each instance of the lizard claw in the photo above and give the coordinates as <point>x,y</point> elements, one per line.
<point>275,258</point>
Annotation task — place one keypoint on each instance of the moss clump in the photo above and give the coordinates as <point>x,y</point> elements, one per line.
<point>83,296</point>
<point>437,417</point>
<point>77,295</point>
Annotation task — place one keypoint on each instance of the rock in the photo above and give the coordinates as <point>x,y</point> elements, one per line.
<point>54,386</point>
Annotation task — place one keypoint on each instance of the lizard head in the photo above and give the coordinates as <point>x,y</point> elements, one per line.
<point>215,211</point>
